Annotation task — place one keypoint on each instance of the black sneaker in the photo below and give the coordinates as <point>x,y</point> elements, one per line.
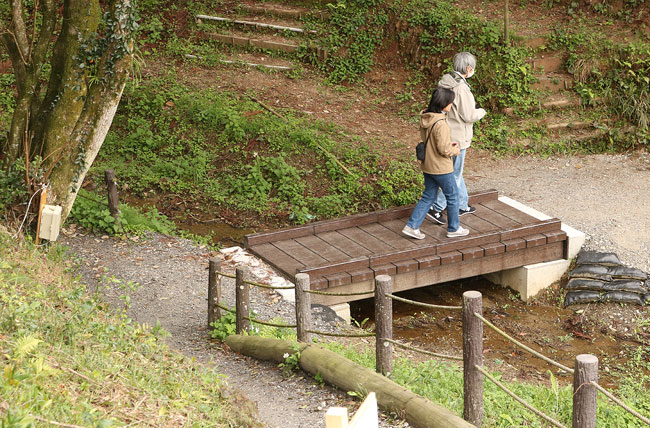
<point>435,216</point>
<point>469,210</point>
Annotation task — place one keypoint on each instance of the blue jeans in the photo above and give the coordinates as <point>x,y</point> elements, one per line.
<point>441,203</point>
<point>432,183</point>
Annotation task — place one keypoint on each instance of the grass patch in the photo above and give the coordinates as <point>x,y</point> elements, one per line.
<point>442,383</point>
<point>221,150</point>
<point>66,358</point>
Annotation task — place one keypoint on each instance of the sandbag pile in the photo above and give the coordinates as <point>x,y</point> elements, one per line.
<point>601,277</point>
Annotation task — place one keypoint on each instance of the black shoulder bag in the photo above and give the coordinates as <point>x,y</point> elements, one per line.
<point>421,148</point>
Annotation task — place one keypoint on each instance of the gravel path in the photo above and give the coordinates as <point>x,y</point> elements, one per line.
<point>607,197</point>
<point>171,276</point>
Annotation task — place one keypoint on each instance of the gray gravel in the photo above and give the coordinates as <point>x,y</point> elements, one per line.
<point>605,196</point>
<point>166,281</point>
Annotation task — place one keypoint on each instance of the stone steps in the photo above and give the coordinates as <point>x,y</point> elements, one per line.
<point>249,60</point>
<point>554,82</point>
<point>254,23</point>
<point>281,10</point>
<point>250,27</point>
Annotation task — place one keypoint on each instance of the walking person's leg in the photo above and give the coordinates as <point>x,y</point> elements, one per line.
<point>459,165</point>
<point>447,183</point>
<point>441,201</point>
<point>412,227</point>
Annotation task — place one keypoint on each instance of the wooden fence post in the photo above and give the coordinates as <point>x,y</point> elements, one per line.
<point>383,324</point>
<point>584,393</point>
<point>111,188</point>
<point>214,291</point>
<point>242,299</point>
<point>472,356</point>
<point>303,308</point>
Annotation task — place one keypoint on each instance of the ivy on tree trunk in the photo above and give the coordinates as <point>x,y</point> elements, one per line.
<point>64,111</point>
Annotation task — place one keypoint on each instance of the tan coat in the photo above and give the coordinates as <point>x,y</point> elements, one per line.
<point>463,112</point>
<point>439,148</point>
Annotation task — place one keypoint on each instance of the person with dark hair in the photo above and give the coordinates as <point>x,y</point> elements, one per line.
<point>437,167</point>
<point>461,120</point>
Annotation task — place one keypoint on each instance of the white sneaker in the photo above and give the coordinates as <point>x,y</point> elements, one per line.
<point>413,233</point>
<point>461,231</point>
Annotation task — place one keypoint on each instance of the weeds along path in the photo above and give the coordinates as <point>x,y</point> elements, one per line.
<point>604,196</point>
<point>371,114</point>
<point>165,279</point>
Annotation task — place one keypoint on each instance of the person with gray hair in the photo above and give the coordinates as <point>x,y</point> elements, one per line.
<point>461,120</point>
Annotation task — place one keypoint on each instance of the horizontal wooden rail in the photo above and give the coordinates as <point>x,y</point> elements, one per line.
<point>253,23</point>
<point>521,345</point>
<point>519,399</point>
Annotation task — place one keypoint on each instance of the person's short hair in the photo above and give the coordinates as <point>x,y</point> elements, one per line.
<point>440,98</point>
<point>462,60</point>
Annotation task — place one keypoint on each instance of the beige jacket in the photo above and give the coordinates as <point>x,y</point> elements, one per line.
<point>463,112</point>
<point>439,148</point>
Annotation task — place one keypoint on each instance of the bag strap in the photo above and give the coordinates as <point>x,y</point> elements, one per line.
<point>426,141</point>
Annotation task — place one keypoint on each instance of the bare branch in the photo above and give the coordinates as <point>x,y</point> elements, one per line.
<point>19,29</point>
<point>50,18</point>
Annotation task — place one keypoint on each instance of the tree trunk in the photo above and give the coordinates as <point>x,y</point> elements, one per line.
<point>89,72</point>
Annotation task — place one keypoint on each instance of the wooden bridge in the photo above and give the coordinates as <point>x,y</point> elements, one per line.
<point>344,255</point>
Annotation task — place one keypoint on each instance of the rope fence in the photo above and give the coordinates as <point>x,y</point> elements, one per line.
<point>519,399</point>
<point>422,351</point>
<point>620,403</point>
<point>270,324</point>
<point>257,284</point>
<point>323,333</point>
<point>225,308</point>
<point>329,293</point>
<point>585,372</point>
<point>426,305</point>
<point>521,345</point>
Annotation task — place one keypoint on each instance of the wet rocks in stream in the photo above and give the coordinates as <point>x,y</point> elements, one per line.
<point>601,277</point>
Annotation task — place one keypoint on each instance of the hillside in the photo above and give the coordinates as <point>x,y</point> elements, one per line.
<point>229,128</point>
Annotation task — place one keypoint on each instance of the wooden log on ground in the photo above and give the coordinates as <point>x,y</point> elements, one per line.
<point>348,376</point>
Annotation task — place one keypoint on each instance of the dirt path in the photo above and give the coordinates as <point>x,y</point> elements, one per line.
<point>166,281</point>
<point>605,196</point>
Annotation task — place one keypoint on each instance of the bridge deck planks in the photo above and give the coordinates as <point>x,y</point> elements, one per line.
<point>354,249</point>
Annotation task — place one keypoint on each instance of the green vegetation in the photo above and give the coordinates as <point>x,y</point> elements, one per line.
<point>67,358</point>
<point>442,382</point>
<point>616,73</point>
<point>93,214</point>
<point>503,77</point>
<point>219,149</point>
<point>355,30</point>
